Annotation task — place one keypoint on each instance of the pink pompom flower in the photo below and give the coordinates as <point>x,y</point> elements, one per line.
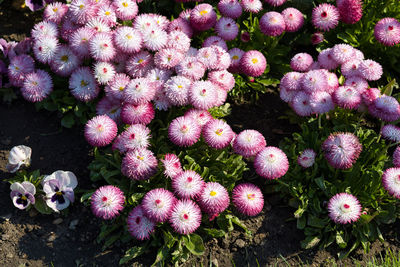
<point>217,134</point>
<point>253,63</point>
<point>185,217</point>
<point>347,97</point>
<point>37,86</point>
<point>139,164</point>
<point>344,208</point>
<point>350,10</point>
<point>83,84</point>
<point>187,184</point>
<point>157,204</point>
<point>271,163</point>
<point>387,31</point>
<point>203,17</point>
<point>226,28</point>
<point>230,8</point>
<point>325,17</point>
<point>248,199</point>
<point>391,181</point>
<point>202,95</point>
<point>307,158</point>
<point>301,62</point>
<point>214,199</point>
<point>100,131</point>
<point>107,202</point>
<point>385,107</point>
<point>293,18</point>
<point>184,131</point>
<point>18,68</point>
<point>272,24</point>
<point>248,143</point>
<point>253,6</point>
<point>172,165</point>
<point>139,226</point>
<point>391,133</point>
<point>370,70</point>
<point>396,157</point>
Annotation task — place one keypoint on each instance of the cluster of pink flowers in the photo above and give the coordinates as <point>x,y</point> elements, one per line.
<point>313,87</point>
<point>273,23</point>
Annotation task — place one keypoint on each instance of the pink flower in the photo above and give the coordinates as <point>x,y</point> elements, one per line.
<point>100,131</point>
<point>214,199</point>
<point>248,199</point>
<point>139,226</point>
<point>248,143</point>
<point>253,63</point>
<point>325,17</point>
<point>272,24</point>
<point>157,204</point>
<point>344,208</point>
<point>185,217</point>
<point>107,202</point>
<point>184,131</point>
<point>271,163</point>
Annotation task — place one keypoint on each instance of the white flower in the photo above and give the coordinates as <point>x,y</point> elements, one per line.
<point>19,156</point>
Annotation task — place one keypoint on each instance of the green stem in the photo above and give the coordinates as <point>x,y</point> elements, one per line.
<point>380,130</point>
<point>319,121</point>
<point>282,183</point>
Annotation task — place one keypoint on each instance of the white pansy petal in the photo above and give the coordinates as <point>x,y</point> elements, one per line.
<point>17,187</point>
<point>20,154</point>
<point>29,187</point>
<point>67,179</point>
<point>12,168</point>
<point>51,204</point>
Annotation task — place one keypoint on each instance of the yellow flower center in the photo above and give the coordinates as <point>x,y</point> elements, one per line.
<point>219,132</point>
<point>84,83</point>
<point>180,86</point>
<point>23,198</point>
<point>251,196</point>
<point>55,9</point>
<point>213,193</point>
<point>16,68</point>
<point>125,4</point>
<point>128,36</point>
<point>64,58</point>
<point>203,12</point>
<point>235,57</point>
<point>107,13</point>
<point>254,60</point>
<point>58,193</point>
<point>140,157</point>
<point>140,61</point>
<point>121,88</point>
<point>81,6</point>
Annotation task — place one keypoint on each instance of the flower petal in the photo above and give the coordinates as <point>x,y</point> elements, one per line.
<point>51,186</point>
<point>67,179</point>
<point>29,187</point>
<point>17,187</point>
<point>69,193</point>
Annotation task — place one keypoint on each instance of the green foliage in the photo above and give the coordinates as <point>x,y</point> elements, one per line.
<point>310,189</point>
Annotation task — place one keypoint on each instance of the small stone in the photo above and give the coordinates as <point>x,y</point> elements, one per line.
<point>255,253</point>
<point>58,221</point>
<point>240,243</point>
<point>234,249</point>
<point>73,224</point>
<point>5,237</point>
<point>214,262</point>
<point>52,237</point>
<point>10,255</point>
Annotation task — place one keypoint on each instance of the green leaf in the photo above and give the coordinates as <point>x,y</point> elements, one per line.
<point>41,206</point>
<point>111,240</point>
<point>317,222</point>
<point>215,232</point>
<point>301,222</point>
<point>310,242</point>
<point>195,244</point>
<point>87,195</point>
<point>340,240</point>
<point>133,253</point>
<point>68,120</point>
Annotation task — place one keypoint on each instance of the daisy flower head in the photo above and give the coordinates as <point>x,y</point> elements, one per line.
<point>248,199</point>
<point>159,75</point>
<point>65,61</point>
<point>222,94</point>
<point>301,104</point>
<point>178,40</point>
<point>101,47</point>
<point>306,158</point>
<point>272,24</point>
<point>248,143</point>
<point>333,82</point>
<point>245,37</point>
<point>391,133</point>
<point>214,199</point>
<point>139,164</point>
<point>125,9</point>
<point>200,116</point>
<point>44,29</point>
<point>350,10</point>
<point>81,11</point>
<point>157,204</point>
<point>227,28</point>
<point>341,150</point>
<point>321,102</point>
<point>161,21</point>
<point>208,57</point>
<point>217,133</point>
<point>83,84</point>
<point>68,27</point>
<point>180,24</point>
<point>107,201</point>
<point>347,97</point>
<point>301,62</point>
<point>325,17</point>
<point>293,18</point>
<point>314,80</point>
<point>253,63</point>
<point>187,184</point>
<point>127,39</point>
<point>235,54</point>
<point>370,70</point>
<point>271,163</point>
<point>110,107</point>
<point>370,94</point>
<point>37,86</point>
<point>161,101</point>
<point>103,72</point>
<point>185,217</point>
<point>144,22</point>
<point>45,48</point>
<point>386,108</point>
<point>387,31</point>
<point>396,157</point>
<point>327,60</point>
<point>344,208</point>
<point>155,39</point>
<point>137,136</point>
<point>172,165</point>
<point>215,41</point>
<point>79,41</point>
<point>139,64</point>
<point>230,8</point>
<point>168,58</point>
<point>100,131</point>
<point>286,95</point>
<point>275,2</point>
<point>139,226</point>
<point>115,88</point>
<point>317,38</point>
<point>184,131</point>
<point>291,81</point>
<point>98,25</point>
<point>350,68</point>
<point>139,91</point>
<point>202,94</point>
<point>107,14</point>
<point>224,59</point>
<point>253,6</point>
<point>20,66</point>
<point>191,68</point>
<point>391,181</point>
<point>342,53</point>
<point>177,90</point>
<point>55,12</point>
<point>223,79</point>
<point>134,114</point>
<point>203,17</point>
<point>360,84</point>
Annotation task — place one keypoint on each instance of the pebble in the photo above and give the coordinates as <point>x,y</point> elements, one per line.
<point>58,221</point>
<point>240,243</point>
<point>214,262</point>
<point>73,224</point>
<point>5,237</point>
<point>52,237</point>
<point>234,249</point>
<point>10,255</point>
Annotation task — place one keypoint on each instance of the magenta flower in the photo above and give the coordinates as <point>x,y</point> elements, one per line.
<point>185,217</point>
<point>187,184</point>
<point>184,131</point>
<point>248,199</point>
<point>391,181</point>
<point>139,164</point>
<point>325,17</point>
<point>307,158</point>
<point>248,143</point>
<point>172,165</point>
<point>271,163</point>
<point>100,131</point>
<point>22,194</point>
<point>387,31</point>
<point>272,24</point>
<point>253,63</point>
<point>157,204</point>
<point>107,202</point>
<point>344,208</point>
<point>350,10</point>
<point>139,226</point>
<point>214,199</point>
<point>396,157</point>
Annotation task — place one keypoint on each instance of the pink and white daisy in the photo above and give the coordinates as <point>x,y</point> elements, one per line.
<point>104,72</point>
<point>185,217</point>
<point>214,199</point>
<point>80,11</point>
<point>144,23</point>
<point>321,102</point>
<point>253,63</point>
<point>178,40</point>
<point>253,6</point>
<point>200,116</point>
<point>248,199</point>
<point>137,136</point>
<point>18,68</point>
<point>83,84</point>
<point>68,27</point>
<point>161,21</point>
<point>110,107</point>
<point>168,58</point>
<point>387,31</point>
<point>301,104</point>
<point>333,82</point>
<point>291,81</point>
<point>45,48</point>
<point>139,164</point>
<point>275,2</point>
<point>344,208</point>
<point>272,24</point>
<point>342,53</point>
<point>223,79</point>
<point>286,95</point>
<point>55,12</point>
<point>369,95</point>
<point>215,41</point>
<point>187,184</point>
<point>125,9</point>
<point>107,202</point>
<point>155,39</point>
<point>235,54</point>
<point>248,143</point>
<point>44,29</point>
<point>191,68</point>
<point>177,90</point>
<point>386,108</point>
<point>157,204</point>
<point>327,60</point>
<point>134,114</point>
<point>325,17</point>
<point>79,41</point>
<point>184,131</point>
<point>370,70</point>
<point>293,18</point>
<point>115,88</point>
<point>391,133</point>
<point>347,97</point>
<point>307,158</point>
<point>139,226</point>
<point>208,56</point>
<point>271,163</point>
<point>224,59</point>
<point>100,131</point>
<point>230,8</point>
<point>341,150</point>
<point>180,24</point>
<point>396,157</point>
<point>202,94</point>
<point>37,86</point>
<point>360,84</point>
<point>65,61</point>
<point>203,17</point>
<point>127,39</point>
<point>314,80</point>
<point>217,134</point>
<point>98,25</point>
<point>107,14</point>
<point>101,47</point>
<point>139,64</point>
<point>301,62</point>
<point>350,68</point>
<point>350,10</point>
<point>226,28</point>
<point>172,165</point>
<point>139,91</point>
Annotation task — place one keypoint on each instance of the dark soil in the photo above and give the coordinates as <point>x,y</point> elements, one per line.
<point>31,239</point>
